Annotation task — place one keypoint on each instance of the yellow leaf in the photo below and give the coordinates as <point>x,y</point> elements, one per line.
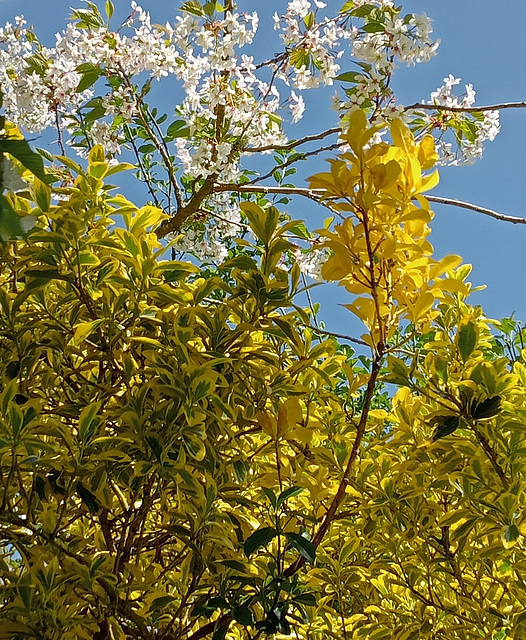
<point>446,264</point>
<point>146,216</point>
<point>427,155</point>
<point>402,136</point>
<point>84,329</point>
<point>429,182</point>
<point>267,423</point>
<point>423,304</point>
<point>452,285</point>
<point>289,415</point>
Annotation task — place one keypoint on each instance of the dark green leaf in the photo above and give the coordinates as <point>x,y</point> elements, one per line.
<point>288,493</point>
<point>308,599</point>
<point>178,129</point>
<point>489,408</point>
<point>21,150</point>
<point>445,426</point>
<point>271,496</point>
<point>10,224</point>
<point>88,498</point>
<point>235,565</point>
<point>161,602</point>
<point>147,148</point>
<point>243,615</point>
<point>304,546</point>
<point>220,633</point>
<point>258,539</point>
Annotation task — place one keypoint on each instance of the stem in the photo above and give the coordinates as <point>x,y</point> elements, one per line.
<point>59,132</point>
<point>333,334</point>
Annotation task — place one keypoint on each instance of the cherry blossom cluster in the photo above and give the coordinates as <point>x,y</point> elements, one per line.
<point>311,260</point>
<point>470,131</point>
<point>228,105</point>
<point>36,83</point>
<point>213,230</point>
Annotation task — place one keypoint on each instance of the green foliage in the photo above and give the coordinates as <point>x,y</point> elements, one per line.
<point>182,456</point>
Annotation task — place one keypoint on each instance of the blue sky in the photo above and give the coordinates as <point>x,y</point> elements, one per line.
<point>481,43</point>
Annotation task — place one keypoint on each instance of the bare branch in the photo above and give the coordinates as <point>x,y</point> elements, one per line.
<point>294,143</point>
<point>473,207</point>
<point>442,107</point>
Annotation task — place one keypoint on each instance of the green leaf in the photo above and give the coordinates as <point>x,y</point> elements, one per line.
<point>309,20</point>
<point>42,195</point>
<point>243,615</point>
<point>258,539</point>
<point>10,630</point>
<point>446,426</point>
<point>88,498</point>
<point>161,602</point>
<point>220,633</point>
<point>307,599</point>
<point>509,535</point>
<point>349,76</point>
<point>304,546</point>
<point>178,129</point>
<point>21,150</point>
<point>467,339</point>
<point>109,9</point>
<point>10,223</point>
<point>373,27</point>
<point>288,493</point>
<point>88,79</point>
<point>271,496</point>
<point>147,148</point>
<point>88,421</point>
<point>489,408</point>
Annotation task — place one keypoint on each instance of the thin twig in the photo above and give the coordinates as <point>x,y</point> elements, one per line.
<point>59,132</point>
<point>442,107</point>
<point>333,334</point>
<point>294,143</point>
<point>314,194</point>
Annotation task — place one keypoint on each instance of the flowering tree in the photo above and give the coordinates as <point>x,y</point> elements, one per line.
<point>185,451</point>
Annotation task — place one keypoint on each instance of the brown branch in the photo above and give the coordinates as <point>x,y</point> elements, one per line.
<point>340,493</point>
<point>442,107</point>
<point>473,207</point>
<point>174,224</point>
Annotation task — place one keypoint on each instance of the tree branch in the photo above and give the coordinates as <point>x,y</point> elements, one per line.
<point>473,207</point>
<point>442,107</point>
<point>174,224</point>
